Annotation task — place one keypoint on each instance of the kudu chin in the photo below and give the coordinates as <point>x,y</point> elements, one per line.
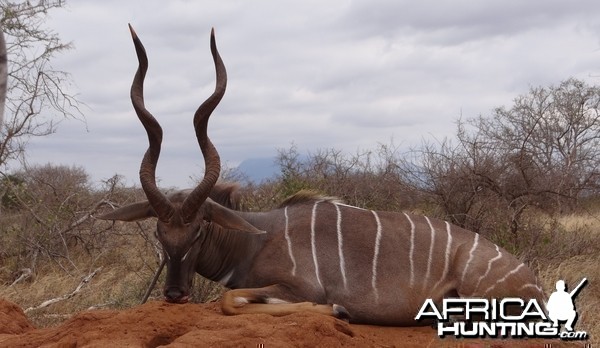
<point>312,253</point>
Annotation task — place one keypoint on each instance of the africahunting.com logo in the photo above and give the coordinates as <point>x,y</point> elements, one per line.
<point>480,318</point>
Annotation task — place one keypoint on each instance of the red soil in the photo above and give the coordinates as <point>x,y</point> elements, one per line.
<point>202,325</point>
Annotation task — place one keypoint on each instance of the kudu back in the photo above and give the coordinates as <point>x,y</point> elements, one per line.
<point>312,253</point>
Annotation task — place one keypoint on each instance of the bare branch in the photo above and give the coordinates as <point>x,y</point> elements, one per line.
<point>77,290</point>
<point>33,84</point>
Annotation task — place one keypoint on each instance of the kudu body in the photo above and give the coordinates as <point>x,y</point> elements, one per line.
<point>314,253</point>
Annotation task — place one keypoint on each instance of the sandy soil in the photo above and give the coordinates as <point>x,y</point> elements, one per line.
<point>158,323</point>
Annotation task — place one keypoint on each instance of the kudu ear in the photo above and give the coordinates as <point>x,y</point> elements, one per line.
<point>227,218</point>
<point>131,212</point>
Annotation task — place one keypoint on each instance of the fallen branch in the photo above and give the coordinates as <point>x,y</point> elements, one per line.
<point>25,274</point>
<point>84,281</point>
<point>101,305</point>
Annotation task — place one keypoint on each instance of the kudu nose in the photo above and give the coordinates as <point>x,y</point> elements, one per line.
<point>175,295</point>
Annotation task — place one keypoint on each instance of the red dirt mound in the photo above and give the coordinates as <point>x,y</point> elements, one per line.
<point>12,319</point>
<point>201,325</point>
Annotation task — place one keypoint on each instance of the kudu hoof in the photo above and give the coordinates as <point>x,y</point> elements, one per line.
<point>341,312</point>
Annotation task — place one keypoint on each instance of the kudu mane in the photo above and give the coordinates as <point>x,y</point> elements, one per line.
<point>307,196</point>
<point>228,195</point>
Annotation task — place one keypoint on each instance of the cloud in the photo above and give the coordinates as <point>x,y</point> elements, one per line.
<point>336,74</point>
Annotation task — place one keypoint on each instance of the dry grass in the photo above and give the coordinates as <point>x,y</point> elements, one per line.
<point>127,266</point>
<point>112,287</point>
<point>580,233</point>
<point>572,271</point>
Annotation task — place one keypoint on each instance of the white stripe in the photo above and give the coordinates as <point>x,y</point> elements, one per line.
<point>274,300</point>
<point>289,241</point>
<point>447,256</point>
<point>489,267</point>
<point>535,286</point>
<point>223,281</point>
<point>348,206</point>
<point>186,254</point>
<point>341,246</point>
<point>240,301</point>
<point>429,258</point>
<point>313,245</point>
<point>376,254</point>
<point>503,278</point>
<point>411,252</point>
<point>471,256</point>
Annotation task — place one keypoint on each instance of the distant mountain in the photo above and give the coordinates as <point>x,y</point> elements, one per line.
<point>259,169</point>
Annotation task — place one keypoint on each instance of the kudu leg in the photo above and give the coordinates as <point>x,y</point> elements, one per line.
<point>270,300</point>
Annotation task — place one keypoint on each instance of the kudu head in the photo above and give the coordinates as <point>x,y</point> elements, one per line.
<point>181,222</point>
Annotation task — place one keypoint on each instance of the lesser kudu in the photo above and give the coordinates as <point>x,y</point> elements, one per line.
<point>312,253</point>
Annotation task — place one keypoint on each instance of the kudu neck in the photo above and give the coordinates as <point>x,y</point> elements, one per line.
<point>227,254</point>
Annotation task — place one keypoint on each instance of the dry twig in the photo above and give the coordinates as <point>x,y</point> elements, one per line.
<point>84,281</point>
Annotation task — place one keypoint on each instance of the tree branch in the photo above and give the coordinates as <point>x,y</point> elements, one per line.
<point>83,282</point>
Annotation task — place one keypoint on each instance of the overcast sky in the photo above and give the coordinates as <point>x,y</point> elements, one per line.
<point>319,74</point>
